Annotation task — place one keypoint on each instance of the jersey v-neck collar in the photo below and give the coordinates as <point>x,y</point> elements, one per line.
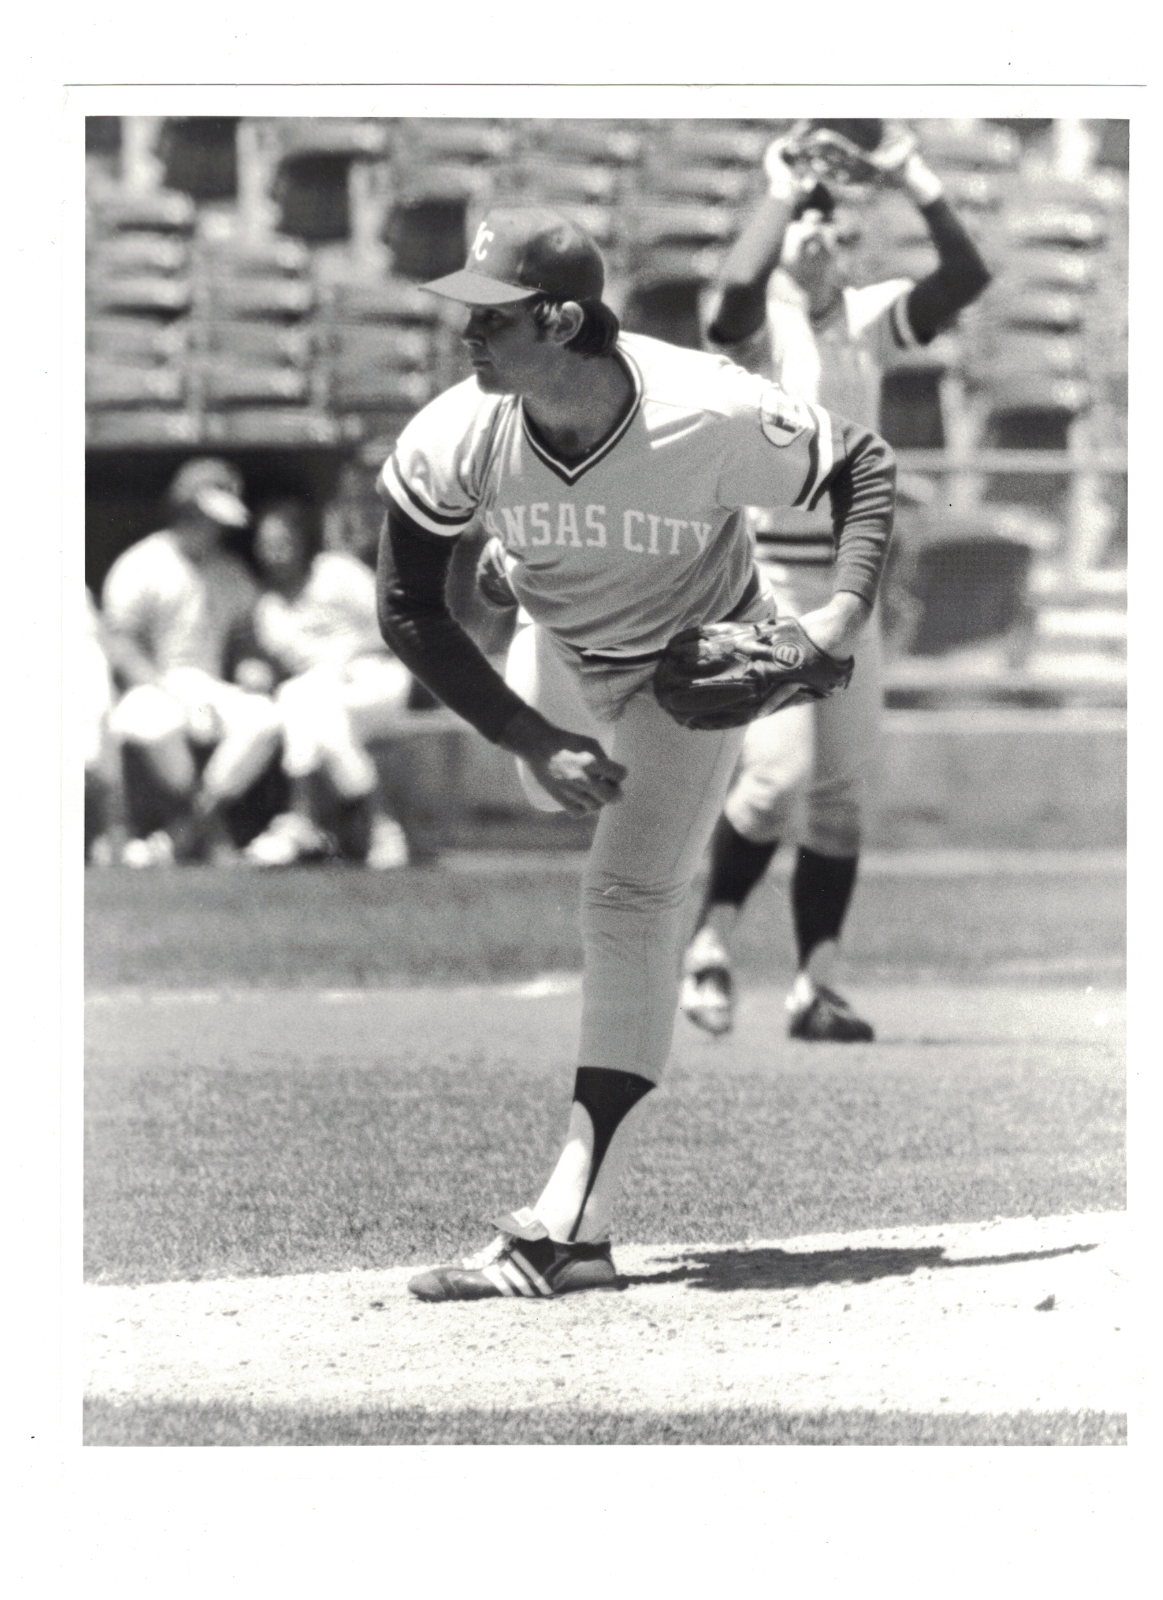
<point>570,472</point>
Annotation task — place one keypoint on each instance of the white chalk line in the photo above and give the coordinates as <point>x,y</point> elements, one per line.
<point>551,985</point>
<point>967,863</point>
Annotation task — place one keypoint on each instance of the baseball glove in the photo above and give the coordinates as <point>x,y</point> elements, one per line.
<point>725,674</point>
<point>850,154</point>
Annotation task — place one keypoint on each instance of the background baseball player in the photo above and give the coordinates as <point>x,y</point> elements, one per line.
<point>614,471</point>
<point>314,634</point>
<point>170,604</point>
<point>804,325</point>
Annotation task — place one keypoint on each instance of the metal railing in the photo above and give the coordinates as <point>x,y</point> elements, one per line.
<point>1087,518</point>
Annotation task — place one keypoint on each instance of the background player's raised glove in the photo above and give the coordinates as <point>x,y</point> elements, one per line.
<point>725,674</point>
<point>853,153</point>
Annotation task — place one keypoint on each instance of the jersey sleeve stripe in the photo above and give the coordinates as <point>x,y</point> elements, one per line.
<point>419,510</point>
<point>902,329</point>
<point>821,459</point>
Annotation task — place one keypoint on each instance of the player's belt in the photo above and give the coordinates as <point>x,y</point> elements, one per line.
<point>736,611</point>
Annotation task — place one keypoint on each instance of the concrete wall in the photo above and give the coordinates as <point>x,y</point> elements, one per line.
<point>1003,779</point>
<point>988,778</point>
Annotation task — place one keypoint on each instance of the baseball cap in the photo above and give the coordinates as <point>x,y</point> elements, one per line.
<point>522,251</point>
<point>214,487</point>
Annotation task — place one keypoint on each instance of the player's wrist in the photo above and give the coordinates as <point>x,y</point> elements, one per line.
<point>781,180</point>
<point>834,625</point>
<point>528,735</point>
<point>920,182</point>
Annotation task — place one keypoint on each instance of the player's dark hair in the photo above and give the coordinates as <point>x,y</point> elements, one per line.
<point>300,518</point>
<point>599,330</point>
<point>818,198</point>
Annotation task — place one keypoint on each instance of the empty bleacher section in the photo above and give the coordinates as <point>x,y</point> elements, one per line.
<point>251,289</point>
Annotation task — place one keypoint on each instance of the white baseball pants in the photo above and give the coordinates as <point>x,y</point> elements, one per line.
<point>328,715</point>
<point>804,772</point>
<point>647,846</point>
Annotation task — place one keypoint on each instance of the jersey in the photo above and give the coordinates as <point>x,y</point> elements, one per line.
<point>180,613</point>
<point>646,534</point>
<point>839,364</point>
<point>330,622</point>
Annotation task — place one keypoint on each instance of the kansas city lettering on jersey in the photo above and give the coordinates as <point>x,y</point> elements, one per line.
<point>578,526</point>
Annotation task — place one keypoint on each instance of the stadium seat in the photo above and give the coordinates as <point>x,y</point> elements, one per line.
<point>968,586</point>
<point>256,258</point>
<point>115,384</point>
<point>376,388</point>
<point>1068,227</point>
<point>256,343</point>
<point>428,235</point>
<point>669,179</point>
<point>380,300</point>
<point>134,252</point>
<point>911,414</point>
<point>310,191</point>
<point>1047,402</point>
<point>450,139</point>
<point>140,293</point>
<point>666,308</point>
<point>355,138</point>
<point>136,341</point>
<point>618,144</point>
<point>1074,271</point>
<point>1113,143</point>
<point>1032,310</point>
<point>232,381</point>
<point>659,238</point>
<point>405,348</point>
<point>103,136</point>
<point>163,210</point>
<point>538,179</point>
<point>227,298</point>
<point>976,147</point>
<point>999,352</point>
<point>709,143</point>
<point>199,156</point>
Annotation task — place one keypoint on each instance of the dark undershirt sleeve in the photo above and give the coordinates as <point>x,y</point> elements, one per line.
<point>415,620</point>
<point>960,276</point>
<point>862,493</point>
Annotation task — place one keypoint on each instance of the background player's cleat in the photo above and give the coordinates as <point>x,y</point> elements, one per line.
<point>289,839</point>
<point>389,846</point>
<point>521,1268</point>
<point>827,1016</point>
<point>156,850</point>
<point>708,999</point>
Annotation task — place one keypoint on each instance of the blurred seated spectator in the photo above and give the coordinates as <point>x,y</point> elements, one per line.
<point>314,641</point>
<point>98,694</point>
<point>191,742</point>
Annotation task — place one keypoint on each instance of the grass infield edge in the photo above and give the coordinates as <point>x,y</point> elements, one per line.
<point>203,1423</point>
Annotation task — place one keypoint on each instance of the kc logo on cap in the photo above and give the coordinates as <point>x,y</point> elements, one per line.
<point>522,251</point>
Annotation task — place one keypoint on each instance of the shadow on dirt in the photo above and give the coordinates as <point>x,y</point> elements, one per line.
<point>785,1269</point>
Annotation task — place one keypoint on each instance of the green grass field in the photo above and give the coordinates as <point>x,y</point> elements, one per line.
<point>347,927</point>
<point>239,1125</point>
<point>207,1424</point>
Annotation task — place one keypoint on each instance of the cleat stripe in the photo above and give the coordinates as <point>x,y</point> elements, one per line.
<point>534,1276</point>
<point>498,1280</point>
<point>519,1282</point>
